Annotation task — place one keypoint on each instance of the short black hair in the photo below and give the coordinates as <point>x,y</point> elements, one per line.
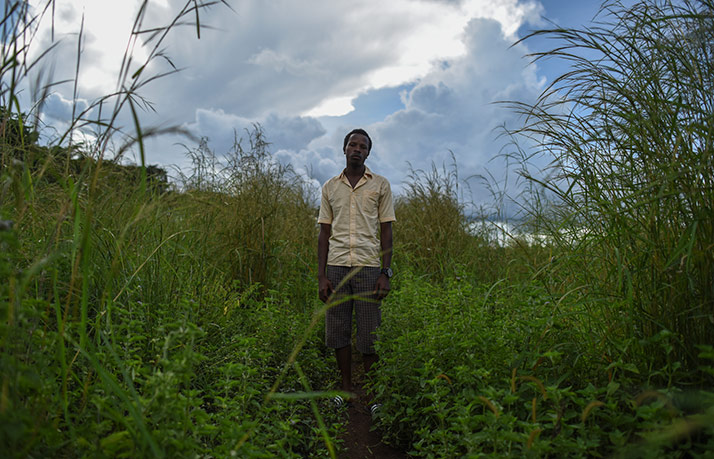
<point>357,131</point>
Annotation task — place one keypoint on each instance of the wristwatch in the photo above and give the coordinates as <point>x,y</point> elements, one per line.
<point>388,272</point>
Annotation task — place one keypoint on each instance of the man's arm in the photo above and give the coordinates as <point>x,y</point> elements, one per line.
<point>323,245</point>
<point>382,287</point>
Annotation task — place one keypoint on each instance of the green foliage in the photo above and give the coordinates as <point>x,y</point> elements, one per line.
<point>434,234</point>
<point>511,372</point>
<point>138,320</point>
<point>15,133</point>
<point>122,333</point>
<point>256,213</point>
<point>628,131</point>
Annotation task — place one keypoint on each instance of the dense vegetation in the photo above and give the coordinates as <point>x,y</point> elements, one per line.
<point>146,318</point>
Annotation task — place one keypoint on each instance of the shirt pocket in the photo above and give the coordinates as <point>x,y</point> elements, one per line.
<point>370,201</point>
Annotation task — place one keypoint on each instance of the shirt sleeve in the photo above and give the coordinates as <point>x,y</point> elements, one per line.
<point>386,204</point>
<point>325,215</point>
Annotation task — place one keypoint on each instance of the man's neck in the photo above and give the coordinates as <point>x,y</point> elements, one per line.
<point>353,174</point>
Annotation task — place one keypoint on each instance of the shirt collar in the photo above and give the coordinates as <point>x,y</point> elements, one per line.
<point>367,174</point>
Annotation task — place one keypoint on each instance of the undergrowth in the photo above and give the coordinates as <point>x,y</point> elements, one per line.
<point>511,370</point>
<point>143,318</point>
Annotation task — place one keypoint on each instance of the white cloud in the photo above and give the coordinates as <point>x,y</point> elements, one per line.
<point>278,62</point>
<point>284,133</point>
<point>452,110</point>
<point>310,57</point>
<point>288,65</point>
<point>314,56</point>
<point>336,106</point>
<point>105,34</point>
<point>57,108</point>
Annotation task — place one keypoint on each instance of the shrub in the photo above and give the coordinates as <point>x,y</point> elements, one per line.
<point>512,371</point>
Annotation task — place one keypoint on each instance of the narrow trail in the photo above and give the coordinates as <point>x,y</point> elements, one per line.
<point>360,442</point>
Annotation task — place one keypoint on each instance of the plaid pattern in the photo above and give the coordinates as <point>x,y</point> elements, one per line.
<point>357,293</point>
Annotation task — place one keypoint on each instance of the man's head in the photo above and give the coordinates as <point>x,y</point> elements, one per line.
<point>356,148</point>
<point>357,131</point>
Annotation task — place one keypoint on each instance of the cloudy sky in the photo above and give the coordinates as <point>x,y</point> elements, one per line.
<point>421,76</point>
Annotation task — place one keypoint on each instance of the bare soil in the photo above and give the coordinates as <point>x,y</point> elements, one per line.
<point>359,439</point>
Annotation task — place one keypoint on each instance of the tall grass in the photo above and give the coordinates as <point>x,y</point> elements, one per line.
<point>139,318</point>
<point>122,333</point>
<point>257,213</point>
<point>436,236</point>
<point>628,131</point>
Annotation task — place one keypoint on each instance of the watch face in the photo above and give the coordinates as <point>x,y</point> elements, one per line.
<point>388,272</point>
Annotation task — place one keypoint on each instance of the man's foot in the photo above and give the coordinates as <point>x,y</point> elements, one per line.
<point>339,401</point>
<point>374,409</point>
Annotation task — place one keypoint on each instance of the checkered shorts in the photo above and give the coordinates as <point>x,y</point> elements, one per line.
<point>356,293</point>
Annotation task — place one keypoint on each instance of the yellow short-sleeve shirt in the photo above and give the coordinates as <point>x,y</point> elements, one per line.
<point>355,216</point>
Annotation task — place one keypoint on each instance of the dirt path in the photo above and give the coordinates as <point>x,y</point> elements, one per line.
<point>359,441</point>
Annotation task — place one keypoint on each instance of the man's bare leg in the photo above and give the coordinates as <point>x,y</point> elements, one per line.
<point>344,363</point>
<point>369,360</point>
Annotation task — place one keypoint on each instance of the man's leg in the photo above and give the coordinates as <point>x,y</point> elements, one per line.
<point>344,363</point>
<point>368,315</point>
<point>338,325</point>
<point>369,360</point>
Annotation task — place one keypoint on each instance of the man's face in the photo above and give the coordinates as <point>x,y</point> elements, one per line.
<point>357,150</point>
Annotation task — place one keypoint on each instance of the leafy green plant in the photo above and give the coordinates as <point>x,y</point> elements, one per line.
<point>119,336</point>
<point>506,371</point>
<point>141,319</point>
<point>628,132</point>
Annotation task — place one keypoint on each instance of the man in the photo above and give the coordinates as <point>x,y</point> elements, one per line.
<point>356,215</point>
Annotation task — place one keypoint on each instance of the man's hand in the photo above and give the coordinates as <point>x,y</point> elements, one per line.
<point>325,287</point>
<point>381,289</point>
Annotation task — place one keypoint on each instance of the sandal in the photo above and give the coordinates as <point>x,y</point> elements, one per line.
<point>374,409</point>
<point>340,402</point>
